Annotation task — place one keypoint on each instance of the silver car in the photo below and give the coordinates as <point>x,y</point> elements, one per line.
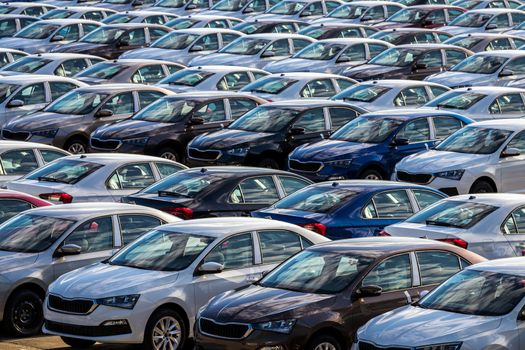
<point>59,64</point>
<point>181,46</point>
<point>203,21</point>
<point>256,50</point>
<point>12,24</point>
<point>240,8</point>
<point>361,12</point>
<point>485,20</point>
<point>330,56</point>
<point>39,245</point>
<point>304,10</point>
<point>478,42</point>
<point>79,12</point>
<point>182,7</point>
<point>8,56</point>
<point>482,4</point>
<point>151,17</point>
<point>286,26</point>
<point>33,9</point>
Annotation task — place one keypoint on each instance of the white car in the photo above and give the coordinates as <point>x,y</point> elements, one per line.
<point>95,177</point>
<point>489,224</point>
<point>150,292</point>
<point>479,308</point>
<point>486,156</point>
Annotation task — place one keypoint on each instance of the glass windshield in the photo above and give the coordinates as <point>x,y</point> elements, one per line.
<point>456,100</point>
<point>26,65</point>
<point>367,130</point>
<point>475,140</point>
<point>166,111</point>
<point>116,2</point>
<point>183,184</point>
<point>37,31</point>
<point>317,272</point>
<point>57,14</point>
<point>175,41</point>
<point>471,20</point>
<point>170,3</point>
<point>162,251</point>
<point>479,293</point>
<point>313,31</point>
<point>316,199</point>
<point>28,233</point>
<point>480,64</point>
<point>320,51</point>
<point>7,90</point>
<point>187,77</point>
<point>77,103</point>
<point>229,5</point>
<point>467,4</point>
<point>362,93</point>
<point>465,42</point>
<point>265,119</point>
<point>119,18</point>
<point>6,9</point>
<point>388,36</point>
<point>102,70</point>
<point>181,23</point>
<point>287,8</point>
<point>451,213</point>
<point>245,46</point>
<point>248,27</point>
<point>271,85</point>
<point>408,16</point>
<point>398,57</point>
<point>103,35</point>
<point>68,171</point>
<point>348,12</point>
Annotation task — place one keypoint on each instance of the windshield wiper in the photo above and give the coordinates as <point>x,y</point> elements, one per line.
<point>441,223</point>
<point>172,194</point>
<point>52,179</point>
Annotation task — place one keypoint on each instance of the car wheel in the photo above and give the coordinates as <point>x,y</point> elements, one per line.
<point>169,153</point>
<point>78,343</point>
<point>24,313</point>
<point>268,163</point>
<point>371,174</point>
<point>76,146</point>
<point>165,330</point>
<point>324,342</point>
<point>481,186</point>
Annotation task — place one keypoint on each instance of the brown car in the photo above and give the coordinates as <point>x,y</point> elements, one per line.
<point>320,297</point>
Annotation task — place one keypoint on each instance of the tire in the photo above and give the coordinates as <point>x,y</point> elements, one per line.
<point>24,314</point>
<point>78,343</point>
<point>371,174</point>
<point>482,186</point>
<point>324,342</point>
<point>268,163</point>
<point>158,323</point>
<point>169,153</point>
<point>76,146</point>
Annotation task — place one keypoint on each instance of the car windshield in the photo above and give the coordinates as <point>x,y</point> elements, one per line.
<point>362,93</point>
<point>475,140</point>
<point>317,199</point>
<point>408,16</point>
<point>480,64</point>
<point>26,65</point>
<point>248,27</point>
<point>398,57</point>
<point>319,272</point>
<point>467,4</point>
<point>162,250</point>
<point>102,70</point>
<point>77,103</point>
<point>171,3</point>
<point>245,46</point>
<point>453,213</point>
<point>175,41</point>
<point>29,233</point>
<point>181,23</point>
<point>348,11</point>
<point>320,51</point>
<point>314,31</point>
<point>187,77</point>
<point>287,8</point>
<point>183,184</point>
<point>456,100</point>
<point>465,42</point>
<point>37,31</point>
<point>166,111</point>
<point>67,171</point>
<point>7,90</point>
<point>6,9</point>
<point>471,20</point>
<point>367,130</point>
<point>265,119</point>
<point>480,293</point>
<point>103,35</point>
<point>119,18</point>
<point>229,5</point>
<point>270,85</point>
<point>57,14</point>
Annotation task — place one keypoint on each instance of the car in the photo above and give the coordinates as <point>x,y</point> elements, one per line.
<point>181,46</point>
<point>11,24</point>
<point>422,16</point>
<point>402,36</point>
<point>483,102</point>
<point>414,61</point>
<point>485,20</point>
<point>256,50</point>
<point>518,30</point>
<point>210,78</point>
<point>41,244</point>
<point>361,12</point>
<point>482,4</point>
<point>203,21</point>
<point>33,9</point>
<point>68,122</point>
<point>265,135</point>
<point>318,298</point>
<point>351,208</point>
<point>483,157</point>
<point>182,7</point>
<point>46,35</point>
<point>125,5</point>
<point>8,56</point>
<point>111,41</point>
<point>303,10</point>
<point>128,71</point>
<point>290,86</point>
<point>335,30</point>
<point>240,8</point>
<point>95,177</point>
<point>64,3</point>
<point>27,93</point>
<point>214,254</point>
<point>493,68</point>
<point>142,16</point>
<point>377,95</point>
<point>20,158</point>
<point>59,64</point>
<point>470,305</point>
<point>369,146</point>
<point>13,203</point>
<point>330,56</point>
<point>165,127</point>
<point>270,26</point>
<point>81,12</point>
<point>478,42</point>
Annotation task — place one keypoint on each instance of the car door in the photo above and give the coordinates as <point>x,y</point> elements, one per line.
<point>240,106</point>
<point>129,179</point>
<point>59,88</point>
<point>339,116</point>
<point>430,62</point>
<point>435,19</point>
<point>501,23</point>
<point>508,106</point>
<point>351,56</point>
<point>445,126</point>
<point>32,97</point>
<point>278,50</point>
<point>146,97</point>
<point>133,39</point>
<point>251,194</point>
<point>413,137</point>
<point>213,116</point>
<point>122,105</point>
<point>513,231</point>
<point>453,57</point>
<point>275,246</point>
<point>510,177</point>
<point>318,88</point>
<point>68,34</point>
<point>234,81</point>
<point>312,125</point>
<point>206,44</point>
<point>133,226</point>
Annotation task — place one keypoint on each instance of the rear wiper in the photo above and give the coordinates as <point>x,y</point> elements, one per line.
<point>441,223</point>
<point>172,194</point>
<point>52,179</point>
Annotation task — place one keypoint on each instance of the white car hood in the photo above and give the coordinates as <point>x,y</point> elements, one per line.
<point>435,161</point>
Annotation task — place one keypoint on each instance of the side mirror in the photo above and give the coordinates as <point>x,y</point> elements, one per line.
<point>210,267</point>
<point>15,103</point>
<point>521,315</point>
<point>306,14</point>
<point>400,141</point>
<point>196,48</point>
<point>123,43</point>
<point>268,54</point>
<point>506,73</point>
<point>510,152</point>
<point>369,291</point>
<point>418,66</point>
<point>491,26</point>
<point>366,18</point>
<point>343,59</point>
<point>57,38</point>
<point>196,121</point>
<point>69,249</point>
<point>103,113</point>
<point>248,10</point>
<point>423,293</point>
<point>191,7</point>
<point>297,131</point>
<point>137,3</point>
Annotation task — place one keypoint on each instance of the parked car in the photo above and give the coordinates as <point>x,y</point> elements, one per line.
<point>94,178</point>
<point>41,244</point>
<point>423,16</point>
<point>142,16</point>
<point>361,12</point>
<point>369,147</point>
<point>11,24</point>
<point>482,4</point>
<point>482,157</point>
<point>480,307</point>
<point>203,21</point>
<point>13,203</point>
<point>265,135</point>
<point>68,122</point>
<point>403,36</point>
<point>335,30</point>
<point>125,5</point>
<point>270,26</point>
<point>518,30</point>
<point>30,8</point>
<point>8,56</point>
<point>304,10</point>
<point>351,208</point>
<point>240,8</point>
<point>167,126</point>
<point>478,42</point>
<point>485,20</point>
<point>80,12</point>
<point>215,254</point>
<point>182,7</point>
<point>60,64</point>
<point>318,298</point>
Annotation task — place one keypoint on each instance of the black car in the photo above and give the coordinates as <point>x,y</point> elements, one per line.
<point>338,30</point>
<point>403,36</point>
<point>218,191</point>
<point>270,26</point>
<point>265,135</point>
<point>166,127</point>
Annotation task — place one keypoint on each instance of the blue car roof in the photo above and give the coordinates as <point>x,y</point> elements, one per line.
<point>368,186</point>
<point>406,114</point>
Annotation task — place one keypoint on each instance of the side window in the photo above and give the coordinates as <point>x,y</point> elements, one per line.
<point>259,75</point>
<point>311,121</point>
<point>50,155</point>
<point>130,177</point>
<point>240,106</point>
<point>501,21</point>
<point>24,22</point>
<point>285,28</point>
<point>499,44</point>
<point>443,37</point>
<point>228,38</point>
<point>4,59</point>
<point>279,48</point>
<point>497,4</point>
<point>424,38</point>
<point>59,88</point>
<point>147,97</point>
<point>353,53</point>
<point>515,223</point>
<point>517,66</point>
<point>350,33</point>
<point>341,116</point>
<point>437,17</point>
<point>299,44</point>
<point>154,20</point>
<point>413,96</point>
<point>518,42</point>
<point>376,49</point>
<point>19,162</point>
<point>277,246</point>
<point>11,207</point>
<point>70,33</point>
<point>391,9</point>
<point>133,226</point>
<point>233,253</point>
<point>391,274</point>
<point>344,83</point>
<point>431,59</point>
<point>71,67</point>
<point>94,15</point>
<point>436,90</point>
<point>148,74</point>
<point>452,14</point>
<point>314,9</point>
<point>509,103</point>
<point>435,266</point>
<point>292,184</point>
<point>331,5</point>
<point>388,205</point>
<point>35,11</point>
<point>517,18</point>
<point>514,4</point>
<point>89,27</point>
<point>518,142</point>
<point>234,81</point>
<point>318,88</point>
<point>445,126</point>
<point>255,190</point>
<point>208,42</point>
<point>32,94</point>
<point>426,198</point>
<point>375,13</point>
<point>219,23</point>
<point>173,68</point>
<point>415,131</point>
<point>136,37</point>
<point>167,169</point>
<point>8,26</point>
<point>120,104</point>
<point>94,235</point>
<point>155,33</point>
<point>212,112</point>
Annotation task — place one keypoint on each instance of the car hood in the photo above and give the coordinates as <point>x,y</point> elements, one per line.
<point>12,261</point>
<point>154,53</point>
<point>20,43</point>
<point>330,150</point>
<point>80,47</point>
<point>435,161</point>
<point>455,30</point>
<point>129,129</point>
<point>461,79</point>
<point>227,138</point>
<point>225,59</point>
<point>44,121</point>
<point>372,70</point>
<point>298,65</point>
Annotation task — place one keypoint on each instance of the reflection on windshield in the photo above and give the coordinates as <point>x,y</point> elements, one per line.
<point>287,8</point>
<point>362,93</point>
<point>265,119</point>
<point>37,31</point>
<point>453,214</point>
<point>26,65</point>
<point>475,140</point>
<point>471,20</point>
<point>270,85</point>
<point>245,46</point>
<point>171,3</point>
<point>166,111</point>
<point>187,77</point>
<point>408,16</point>
<point>181,23</point>
<point>102,70</point>
<point>66,171</point>
<point>467,43</point>
<point>480,64</point>
<point>103,35</point>
<point>367,130</point>
<point>398,57</point>
<point>229,5</point>
<point>185,184</point>
<point>316,199</point>
<point>456,100</point>
<point>77,103</point>
<point>119,18</point>
<point>175,41</point>
<point>320,51</point>
<point>348,12</point>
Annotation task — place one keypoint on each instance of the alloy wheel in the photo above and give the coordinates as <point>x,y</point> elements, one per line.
<point>166,334</point>
<point>169,156</point>
<point>325,346</point>
<point>76,148</point>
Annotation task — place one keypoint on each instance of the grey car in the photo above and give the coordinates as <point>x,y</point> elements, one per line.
<point>183,45</point>
<point>33,9</point>
<point>361,12</point>
<point>203,21</point>
<point>303,10</point>
<point>59,64</point>
<point>43,36</point>
<point>151,17</point>
<point>286,26</point>
<point>79,12</point>
<point>11,24</point>
<point>335,30</point>
<point>128,71</point>
<point>477,42</point>
<point>485,20</point>
<point>402,36</point>
<point>240,8</point>
<point>330,56</point>
<point>182,7</point>
<point>256,50</point>
<point>39,245</point>
<point>8,56</point>
<point>483,4</point>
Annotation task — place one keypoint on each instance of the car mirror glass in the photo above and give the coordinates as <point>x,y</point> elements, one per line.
<point>506,73</point>
<point>15,103</point>
<point>103,113</point>
<point>57,38</point>
<point>211,267</point>
<point>268,54</point>
<point>197,48</point>
<point>369,291</point>
<point>69,249</point>
<point>510,152</point>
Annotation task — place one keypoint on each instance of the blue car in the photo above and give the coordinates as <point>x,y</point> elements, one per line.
<point>351,208</point>
<point>369,147</point>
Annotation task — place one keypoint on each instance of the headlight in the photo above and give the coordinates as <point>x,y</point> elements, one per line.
<point>281,326</point>
<point>240,151</point>
<point>137,141</point>
<point>343,163</point>
<point>451,174</point>
<point>449,346</point>
<point>45,133</point>
<point>122,301</point>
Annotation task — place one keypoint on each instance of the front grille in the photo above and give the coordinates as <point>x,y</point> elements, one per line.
<point>16,135</point>
<point>73,306</point>
<point>305,166</point>
<point>415,178</point>
<point>105,144</point>
<point>224,330</point>
<point>205,155</point>
<point>87,331</point>
<point>369,346</point>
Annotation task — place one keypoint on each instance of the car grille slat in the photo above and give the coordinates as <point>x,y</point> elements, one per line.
<point>369,346</point>
<point>224,330</point>
<point>105,144</point>
<point>87,331</point>
<point>415,178</point>
<point>205,155</point>
<point>305,166</point>
<point>16,135</point>
<point>72,306</point>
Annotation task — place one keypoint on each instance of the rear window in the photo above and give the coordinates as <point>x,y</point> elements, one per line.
<point>318,200</point>
<point>273,85</point>
<point>362,93</point>
<point>26,65</point>
<point>102,71</point>
<point>188,184</point>
<point>187,77</point>
<point>64,171</point>
<point>456,100</point>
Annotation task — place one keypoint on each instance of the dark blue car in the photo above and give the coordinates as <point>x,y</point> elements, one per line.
<point>369,146</point>
<point>351,208</point>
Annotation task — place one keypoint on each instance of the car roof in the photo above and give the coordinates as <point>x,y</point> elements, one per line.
<point>339,25</point>
<point>509,266</point>
<point>64,55</point>
<point>243,170</point>
<point>367,185</point>
<point>79,211</point>
<point>491,90</point>
<point>273,36</point>
<point>349,41</point>
<point>504,124</point>
<point>224,69</point>
<point>135,25</point>
<point>112,158</point>
<point>487,35</point>
<point>8,144</point>
<point>434,46</point>
<point>413,30</point>
<point>409,113</point>
<point>203,31</point>
<point>373,2</point>
<point>273,20</point>
<point>495,11</point>
<point>306,75</point>
<point>142,61</point>
<point>30,78</point>
<point>299,104</point>
<point>499,199</point>
<point>143,13</point>
<point>435,7</point>
<point>122,87</point>
<point>382,245</point>
<point>65,21</point>
<point>503,53</point>
<point>27,4</point>
<point>400,83</point>
<point>204,17</point>
<point>86,8</point>
<point>18,15</point>
<point>205,95</point>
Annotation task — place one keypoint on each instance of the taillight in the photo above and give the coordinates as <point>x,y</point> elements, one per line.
<point>383,233</point>
<point>455,241</point>
<point>315,227</point>
<point>57,197</point>
<point>183,212</point>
